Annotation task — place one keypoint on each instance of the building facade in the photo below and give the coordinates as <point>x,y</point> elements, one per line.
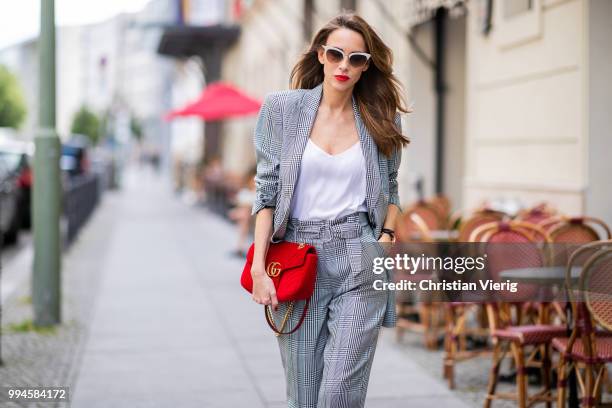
<point>534,123</point>
<point>509,96</point>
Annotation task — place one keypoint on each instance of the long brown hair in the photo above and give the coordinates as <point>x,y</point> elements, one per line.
<point>378,92</point>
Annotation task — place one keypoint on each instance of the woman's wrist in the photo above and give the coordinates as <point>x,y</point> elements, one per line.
<point>257,271</point>
<point>386,237</point>
<point>389,232</point>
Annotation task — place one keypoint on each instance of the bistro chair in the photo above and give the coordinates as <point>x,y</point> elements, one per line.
<point>550,223</point>
<point>537,214</point>
<point>478,218</point>
<point>411,227</point>
<point>579,230</point>
<point>566,233</point>
<point>463,320</point>
<point>589,347</point>
<point>430,213</point>
<point>466,319</point>
<point>442,205</point>
<point>529,344</point>
<point>417,315</point>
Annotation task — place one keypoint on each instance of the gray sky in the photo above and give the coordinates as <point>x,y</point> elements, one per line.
<point>19,19</point>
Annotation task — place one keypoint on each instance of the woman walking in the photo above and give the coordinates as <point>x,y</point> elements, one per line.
<point>328,152</point>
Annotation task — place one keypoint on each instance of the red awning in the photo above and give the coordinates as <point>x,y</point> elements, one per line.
<point>219,100</point>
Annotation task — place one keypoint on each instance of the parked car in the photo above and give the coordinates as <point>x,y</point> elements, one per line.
<point>15,188</point>
<point>74,160</point>
<point>18,157</point>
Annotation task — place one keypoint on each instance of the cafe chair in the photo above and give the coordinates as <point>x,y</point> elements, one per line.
<point>442,204</point>
<point>478,218</point>
<point>566,233</point>
<point>430,213</point>
<point>579,230</point>
<point>550,223</point>
<point>416,315</point>
<point>537,214</point>
<point>467,319</point>
<point>589,347</point>
<point>528,344</point>
<point>411,227</point>
<point>575,230</point>
<point>464,320</point>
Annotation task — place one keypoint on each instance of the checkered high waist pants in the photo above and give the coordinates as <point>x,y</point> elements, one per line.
<point>327,361</point>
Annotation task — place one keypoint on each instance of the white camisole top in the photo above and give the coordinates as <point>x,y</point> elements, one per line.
<point>329,186</point>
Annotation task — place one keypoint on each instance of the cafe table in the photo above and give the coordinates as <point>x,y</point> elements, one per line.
<point>542,275</point>
<point>441,235</point>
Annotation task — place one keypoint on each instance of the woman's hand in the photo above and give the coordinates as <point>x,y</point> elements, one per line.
<point>385,238</point>
<point>264,292</point>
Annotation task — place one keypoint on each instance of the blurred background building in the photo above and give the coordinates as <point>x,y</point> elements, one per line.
<point>111,67</point>
<point>509,96</point>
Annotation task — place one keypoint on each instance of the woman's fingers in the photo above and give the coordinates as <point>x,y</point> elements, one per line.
<point>262,300</point>
<point>274,300</point>
<point>264,292</point>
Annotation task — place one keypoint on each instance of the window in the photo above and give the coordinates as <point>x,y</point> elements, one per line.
<point>515,7</point>
<point>307,22</point>
<point>516,22</point>
<point>348,4</point>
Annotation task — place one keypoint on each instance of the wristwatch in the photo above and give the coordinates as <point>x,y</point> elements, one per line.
<point>389,232</point>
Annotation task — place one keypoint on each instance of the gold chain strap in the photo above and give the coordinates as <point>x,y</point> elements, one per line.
<point>284,322</point>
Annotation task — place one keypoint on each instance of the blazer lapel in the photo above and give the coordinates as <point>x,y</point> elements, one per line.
<point>370,153</point>
<point>299,125</point>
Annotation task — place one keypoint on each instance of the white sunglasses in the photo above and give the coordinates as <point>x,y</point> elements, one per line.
<point>335,55</point>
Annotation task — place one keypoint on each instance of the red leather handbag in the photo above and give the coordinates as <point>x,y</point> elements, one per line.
<point>293,269</point>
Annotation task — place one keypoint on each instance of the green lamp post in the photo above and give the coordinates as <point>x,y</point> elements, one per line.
<point>46,282</point>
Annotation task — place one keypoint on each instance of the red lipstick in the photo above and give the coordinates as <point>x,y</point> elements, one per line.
<point>341,78</point>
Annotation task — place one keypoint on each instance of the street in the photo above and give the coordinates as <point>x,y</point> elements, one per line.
<point>153,315</point>
<point>173,327</point>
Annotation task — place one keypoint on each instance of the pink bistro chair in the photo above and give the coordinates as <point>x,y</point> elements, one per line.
<point>442,205</point>
<point>478,218</point>
<point>423,316</point>
<point>429,213</point>
<point>524,341</point>
<point>576,230</point>
<point>589,347</point>
<point>457,314</point>
<point>566,234</point>
<point>537,214</point>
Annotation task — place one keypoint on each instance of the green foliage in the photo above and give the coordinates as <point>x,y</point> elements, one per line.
<point>85,122</point>
<point>136,128</point>
<point>28,325</point>
<point>106,124</point>
<point>25,300</point>
<point>12,104</point>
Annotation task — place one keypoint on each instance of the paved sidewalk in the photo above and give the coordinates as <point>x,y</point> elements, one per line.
<point>172,327</point>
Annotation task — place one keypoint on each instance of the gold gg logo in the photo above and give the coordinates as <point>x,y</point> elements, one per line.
<point>273,269</point>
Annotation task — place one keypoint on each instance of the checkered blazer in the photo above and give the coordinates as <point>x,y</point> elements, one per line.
<point>281,133</point>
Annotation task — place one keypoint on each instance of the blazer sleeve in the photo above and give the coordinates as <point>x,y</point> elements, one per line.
<point>267,140</point>
<point>393,165</point>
